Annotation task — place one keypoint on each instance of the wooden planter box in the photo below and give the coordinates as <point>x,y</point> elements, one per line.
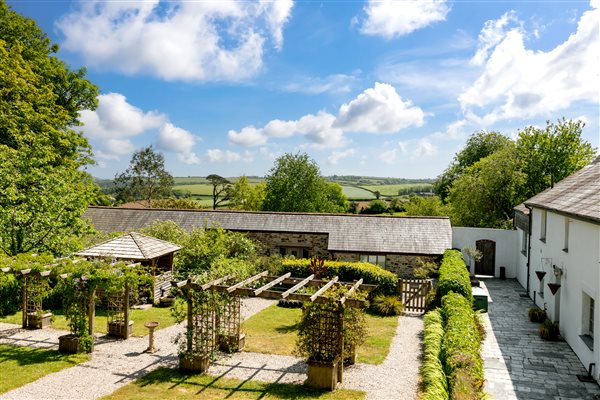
<point>39,321</point>
<point>351,360</point>
<point>69,344</point>
<point>117,329</point>
<point>194,363</point>
<point>232,344</point>
<point>322,375</point>
<point>166,301</point>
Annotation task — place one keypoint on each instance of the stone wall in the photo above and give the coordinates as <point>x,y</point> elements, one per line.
<point>272,242</point>
<point>400,264</point>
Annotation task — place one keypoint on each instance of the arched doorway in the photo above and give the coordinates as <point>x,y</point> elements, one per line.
<point>487,264</point>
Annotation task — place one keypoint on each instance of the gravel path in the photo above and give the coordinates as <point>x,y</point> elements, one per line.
<point>118,362</point>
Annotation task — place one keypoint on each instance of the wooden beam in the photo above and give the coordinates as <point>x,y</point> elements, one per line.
<point>25,271</point>
<point>5,270</point>
<point>45,273</point>
<point>323,289</point>
<point>215,282</point>
<point>297,286</point>
<point>271,284</point>
<point>243,283</point>
<point>352,290</point>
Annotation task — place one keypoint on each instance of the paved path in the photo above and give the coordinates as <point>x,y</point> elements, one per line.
<point>520,365</point>
<point>116,363</point>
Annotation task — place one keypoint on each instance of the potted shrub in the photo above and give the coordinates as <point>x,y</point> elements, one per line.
<point>549,330</point>
<point>537,314</point>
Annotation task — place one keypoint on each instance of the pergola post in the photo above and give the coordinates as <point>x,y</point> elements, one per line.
<point>126,310</point>
<point>24,301</point>
<point>91,315</point>
<point>340,371</point>
<point>190,322</point>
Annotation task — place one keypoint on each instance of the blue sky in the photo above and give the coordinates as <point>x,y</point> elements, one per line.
<point>381,88</point>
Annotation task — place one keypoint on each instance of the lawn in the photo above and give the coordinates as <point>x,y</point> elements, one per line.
<point>165,383</point>
<point>273,331</point>
<point>21,365</point>
<point>139,317</point>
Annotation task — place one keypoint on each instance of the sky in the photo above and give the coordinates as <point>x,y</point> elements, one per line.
<point>377,88</point>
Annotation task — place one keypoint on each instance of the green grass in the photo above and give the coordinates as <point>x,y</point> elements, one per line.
<point>161,315</point>
<point>353,192</point>
<point>392,190</point>
<point>166,383</point>
<point>197,189</point>
<point>274,331</point>
<point>21,365</point>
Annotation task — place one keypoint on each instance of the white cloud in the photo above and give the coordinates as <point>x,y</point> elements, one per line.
<point>377,110</point>
<point>424,148</point>
<point>389,156</point>
<point>336,156</point>
<point>180,141</point>
<point>338,83</point>
<point>517,82</point>
<point>392,18</point>
<point>176,40</point>
<point>219,156</point>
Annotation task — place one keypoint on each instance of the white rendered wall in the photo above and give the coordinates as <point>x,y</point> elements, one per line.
<point>580,276</point>
<point>521,259</point>
<point>507,245</point>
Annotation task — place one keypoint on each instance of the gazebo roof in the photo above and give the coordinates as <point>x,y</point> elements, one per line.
<point>131,246</point>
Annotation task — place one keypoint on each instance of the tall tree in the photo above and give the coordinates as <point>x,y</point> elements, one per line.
<point>145,178</point>
<point>295,184</point>
<point>244,196</point>
<point>551,154</point>
<point>479,145</point>
<point>221,191</point>
<point>43,187</point>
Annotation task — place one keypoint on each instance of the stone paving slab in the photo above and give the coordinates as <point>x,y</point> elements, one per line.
<point>518,364</point>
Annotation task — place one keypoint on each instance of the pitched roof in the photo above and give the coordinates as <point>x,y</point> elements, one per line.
<point>131,246</point>
<point>347,232</point>
<point>577,195</point>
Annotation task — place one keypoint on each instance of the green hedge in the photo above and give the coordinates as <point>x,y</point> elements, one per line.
<point>10,294</point>
<point>435,382</point>
<point>386,281</point>
<point>454,276</point>
<point>460,352</point>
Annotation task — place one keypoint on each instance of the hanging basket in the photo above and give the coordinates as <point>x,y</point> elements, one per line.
<point>540,274</point>
<point>554,287</point>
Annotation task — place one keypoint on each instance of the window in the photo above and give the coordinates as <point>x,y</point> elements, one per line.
<point>566,247</point>
<point>591,319</point>
<point>587,320</point>
<point>296,252</point>
<point>524,243</point>
<point>373,259</point>
<point>543,222</point>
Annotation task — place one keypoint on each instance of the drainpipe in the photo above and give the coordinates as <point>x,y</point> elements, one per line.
<point>529,246</point>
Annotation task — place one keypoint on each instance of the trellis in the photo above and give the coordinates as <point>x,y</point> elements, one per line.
<point>117,307</point>
<point>213,309</point>
<point>34,284</point>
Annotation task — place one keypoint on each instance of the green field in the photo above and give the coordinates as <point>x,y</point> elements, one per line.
<point>392,190</point>
<point>356,193</point>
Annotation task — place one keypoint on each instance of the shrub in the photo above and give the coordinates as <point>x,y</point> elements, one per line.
<point>460,348</point>
<point>454,276</point>
<point>387,305</point>
<point>537,315</point>
<point>434,380</point>
<point>549,330</point>
<point>375,207</point>
<point>386,281</point>
<point>425,269</point>
<point>10,294</point>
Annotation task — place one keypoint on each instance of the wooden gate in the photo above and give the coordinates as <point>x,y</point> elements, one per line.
<point>414,293</point>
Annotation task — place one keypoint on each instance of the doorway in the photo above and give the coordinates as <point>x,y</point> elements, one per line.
<point>487,264</point>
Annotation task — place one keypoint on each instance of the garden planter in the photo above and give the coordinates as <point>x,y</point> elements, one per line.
<point>166,301</point>
<point>554,287</point>
<point>537,315</point>
<point>233,343</point>
<point>351,359</point>
<point>39,321</point>
<point>322,375</point>
<point>549,330</point>
<point>194,363</point>
<point>117,329</point>
<point>69,344</point>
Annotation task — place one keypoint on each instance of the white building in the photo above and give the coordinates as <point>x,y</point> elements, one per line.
<point>558,234</point>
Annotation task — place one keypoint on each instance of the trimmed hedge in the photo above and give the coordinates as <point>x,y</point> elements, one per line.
<point>460,352</point>
<point>435,382</point>
<point>454,277</point>
<point>386,281</point>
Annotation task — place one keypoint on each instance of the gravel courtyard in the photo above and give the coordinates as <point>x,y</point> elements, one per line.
<point>116,363</point>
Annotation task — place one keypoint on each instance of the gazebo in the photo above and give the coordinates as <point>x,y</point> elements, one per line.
<point>146,250</point>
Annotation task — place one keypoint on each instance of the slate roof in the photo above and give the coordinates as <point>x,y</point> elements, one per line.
<point>131,246</point>
<point>577,195</point>
<point>347,232</point>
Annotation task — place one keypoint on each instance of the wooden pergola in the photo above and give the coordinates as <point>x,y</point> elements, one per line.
<point>31,302</point>
<point>208,324</point>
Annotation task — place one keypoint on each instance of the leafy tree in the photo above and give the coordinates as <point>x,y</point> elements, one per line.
<point>145,178</point>
<point>180,204</point>
<point>43,188</point>
<point>486,193</point>
<point>375,207</point>
<point>551,154</point>
<point>335,199</point>
<point>295,184</point>
<point>479,145</point>
<point>221,189</point>
<point>244,196</point>
<point>426,206</point>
